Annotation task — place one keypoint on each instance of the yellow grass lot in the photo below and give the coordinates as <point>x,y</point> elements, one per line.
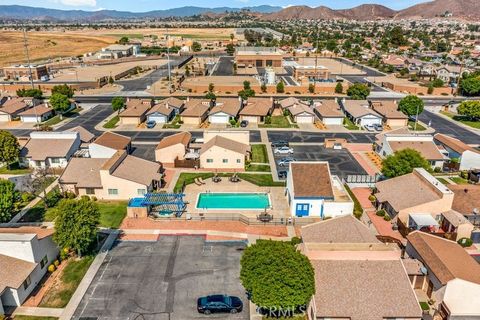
<point>47,45</point>
<point>190,33</point>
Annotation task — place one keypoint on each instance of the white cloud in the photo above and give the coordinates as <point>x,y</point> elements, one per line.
<point>79,3</point>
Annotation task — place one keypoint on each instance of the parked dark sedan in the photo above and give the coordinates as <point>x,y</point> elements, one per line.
<point>282,174</point>
<point>219,303</point>
<point>279,144</point>
<point>244,123</point>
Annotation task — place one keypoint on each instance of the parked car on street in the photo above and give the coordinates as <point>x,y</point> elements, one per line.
<point>285,161</point>
<point>369,127</point>
<point>282,174</point>
<point>279,144</point>
<point>219,303</point>
<point>244,123</point>
<point>283,150</point>
<point>150,124</point>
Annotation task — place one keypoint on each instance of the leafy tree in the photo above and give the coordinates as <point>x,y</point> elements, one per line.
<point>404,72</point>
<point>76,224</point>
<point>331,45</point>
<point>9,147</point>
<point>280,87</point>
<point>311,88</point>
<point>111,80</point>
<point>211,87</point>
<point>263,87</point>
<point>123,40</point>
<point>276,275</point>
<point>470,86</point>
<point>358,91</point>
<point>411,105</point>
<point>230,49</point>
<point>187,71</point>
<point>246,85</point>
<point>403,162</point>
<point>118,103</point>
<point>339,88</point>
<point>196,46</point>
<point>60,103</point>
<point>8,198</point>
<point>438,83</point>
<point>210,96</point>
<point>246,93</point>
<point>33,93</point>
<point>470,109</point>
<point>63,89</point>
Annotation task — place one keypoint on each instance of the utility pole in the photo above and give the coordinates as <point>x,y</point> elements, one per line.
<point>316,64</point>
<point>168,63</point>
<point>25,43</point>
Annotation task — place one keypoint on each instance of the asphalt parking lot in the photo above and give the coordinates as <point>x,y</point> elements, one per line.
<point>144,151</point>
<point>449,128</point>
<point>163,279</point>
<point>341,162</point>
<point>90,119</point>
<point>319,137</point>
<point>224,67</point>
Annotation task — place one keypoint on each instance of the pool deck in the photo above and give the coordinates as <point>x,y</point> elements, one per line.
<point>277,198</point>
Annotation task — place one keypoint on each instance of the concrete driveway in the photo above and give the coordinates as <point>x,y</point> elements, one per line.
<point>163,279</point>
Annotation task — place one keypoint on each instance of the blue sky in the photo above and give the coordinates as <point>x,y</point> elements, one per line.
<point>146,5</point>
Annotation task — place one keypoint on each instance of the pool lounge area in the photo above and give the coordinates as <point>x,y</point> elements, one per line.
<point>233,201</point>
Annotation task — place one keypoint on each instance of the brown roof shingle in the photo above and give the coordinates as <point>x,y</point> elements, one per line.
<point>388,109</point>
<point>329,109</point>
<point>14,271</point>
<point>446,259</point>
<point>466,198</point>
<point>196,108</point>
<point>230,106</point>
<point>454,144</point>
<point>427,149</point>
<point>85,135</point>
<point>257,107</point>
<point>181,137</point>
<point>136,108</point>
<point>14,105</point>
<point>225,143</point>
<point>41,232</point>
<point>138,170</point>
<point>113,140</point>
<point>40,149</point>
<point>311,179</point>
<point>36,111</point>
<point>83,172</point>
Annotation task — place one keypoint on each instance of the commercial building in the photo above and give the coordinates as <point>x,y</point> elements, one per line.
<point>259,57</point>
<point>22,72</point>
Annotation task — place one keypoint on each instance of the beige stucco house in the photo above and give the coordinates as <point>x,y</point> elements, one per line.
<point>135,111</point>
<point>195,112</point>
<point>172,147</point>
<point>224,153</point>
<point>256,109</point>
<point>118,178</point>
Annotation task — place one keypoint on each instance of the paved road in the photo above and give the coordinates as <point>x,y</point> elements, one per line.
<point>142,83</point>
<point>224,67</point>
<point>90,119</point>
<point>319,137</point>
<point>445,126</point>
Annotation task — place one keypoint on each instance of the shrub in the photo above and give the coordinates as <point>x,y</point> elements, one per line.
<point>387,217</point>
<point>56,263</point>
<point>64,253</point>
<point>52,198</point>
<point>94,198</point>
<point>465,242</point>
<point>51,268</point>
<point>430,89</point>
<point>27,197</point>
<point>437,169</point>
<point>296,240</point>
<point>69,195</point>
<point>380,213</point>
<point>233,122</point>
<point>268,120</point>
<point>464,174</point>
<point>372,198</point>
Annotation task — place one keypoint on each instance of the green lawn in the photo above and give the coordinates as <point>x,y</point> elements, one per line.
<point>58,297</point>
<point>56,119</point>
<point>128,35</point>
<point>201,36</point>
<point>112,213</point>
<point>259,153</point>
<point>424,306</point>
<point>349,124</point>
<point>411,125</point>
<point>112,123</point>
<point>14,168</point>
<point>258,167</point>
<point>278,122</point>
<point>459,180</point>
<point>261,180</point>
<point>38,213</point>
<point>442,180</point>
<point>189,178</point>
<point>19,317</point>
<point>462,119</point>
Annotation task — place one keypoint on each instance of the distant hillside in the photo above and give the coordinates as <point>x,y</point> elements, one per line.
<point>467,9</point>
<point>32,13</point>
<point>367,12</point>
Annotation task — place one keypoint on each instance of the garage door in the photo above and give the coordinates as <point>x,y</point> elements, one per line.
<point>304,119</point>
<point>157,119</point>
<point>4,118</point>
<point>370,121</point>
<point>333,121</point>
<point>218,119</point>
<point>250,119</point>
<point>28,119</point>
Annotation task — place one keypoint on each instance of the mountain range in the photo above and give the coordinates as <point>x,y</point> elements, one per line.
<point>462,9</point>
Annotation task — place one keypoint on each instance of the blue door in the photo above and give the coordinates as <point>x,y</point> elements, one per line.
<point>302,209</point>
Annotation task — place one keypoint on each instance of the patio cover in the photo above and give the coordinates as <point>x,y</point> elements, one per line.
<point>419,221</point>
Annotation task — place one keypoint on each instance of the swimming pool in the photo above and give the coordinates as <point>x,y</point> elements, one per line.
<point>232,201</point>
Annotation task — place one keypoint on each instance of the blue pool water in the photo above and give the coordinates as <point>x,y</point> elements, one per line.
<point>233,201</point>
<point>136,202</point>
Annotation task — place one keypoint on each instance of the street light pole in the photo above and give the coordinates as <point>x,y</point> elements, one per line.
<point>25,43</point>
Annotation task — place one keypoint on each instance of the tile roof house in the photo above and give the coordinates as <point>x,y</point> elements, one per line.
<point>256,109</point>
<point>37,114</point>
<point>353,271</point>
<point>165,110</point>
<point>108,144</point>
<point>414,193</point>
<point>467,201</point>
<point>172,147</point>
<point>302,113</point>
<point>49,149</point>
<point>135,111</point>
<point>196,111</point>
<point>25,254</point>
<point>120,177</point>
<point>468,158</point>
<point>329,112</point>
<point>223,153</point>
<point>360,113</point>
<point>85,135</point>
<point>11,109</point>
<point>454,304</point>
<point>291,101</point>
<point>401,139</point>
<point>392,117</point>
<point>313,191</point>
<point>444,260</point>
<point>224,110</point>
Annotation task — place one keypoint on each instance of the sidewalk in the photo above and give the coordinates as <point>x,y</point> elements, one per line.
<point>38,312</point>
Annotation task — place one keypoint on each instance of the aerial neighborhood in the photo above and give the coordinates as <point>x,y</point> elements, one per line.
<point>266,162</point>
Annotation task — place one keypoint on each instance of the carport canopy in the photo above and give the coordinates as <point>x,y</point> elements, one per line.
<point>419,221</point>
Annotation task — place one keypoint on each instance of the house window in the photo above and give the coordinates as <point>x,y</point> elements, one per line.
<point>225,160</point>
<point>38,163</point>
<point>239,160</point>
<point>55,160</point>
<point>89,191</point>
<point>141,192</point>
<point>44,262</point>
<point>113,192</point>
<point>27,283</point>
<point>209,160</point>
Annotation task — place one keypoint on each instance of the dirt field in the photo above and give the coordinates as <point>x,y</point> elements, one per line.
<point>47,45</point>
<point>191,33</point>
